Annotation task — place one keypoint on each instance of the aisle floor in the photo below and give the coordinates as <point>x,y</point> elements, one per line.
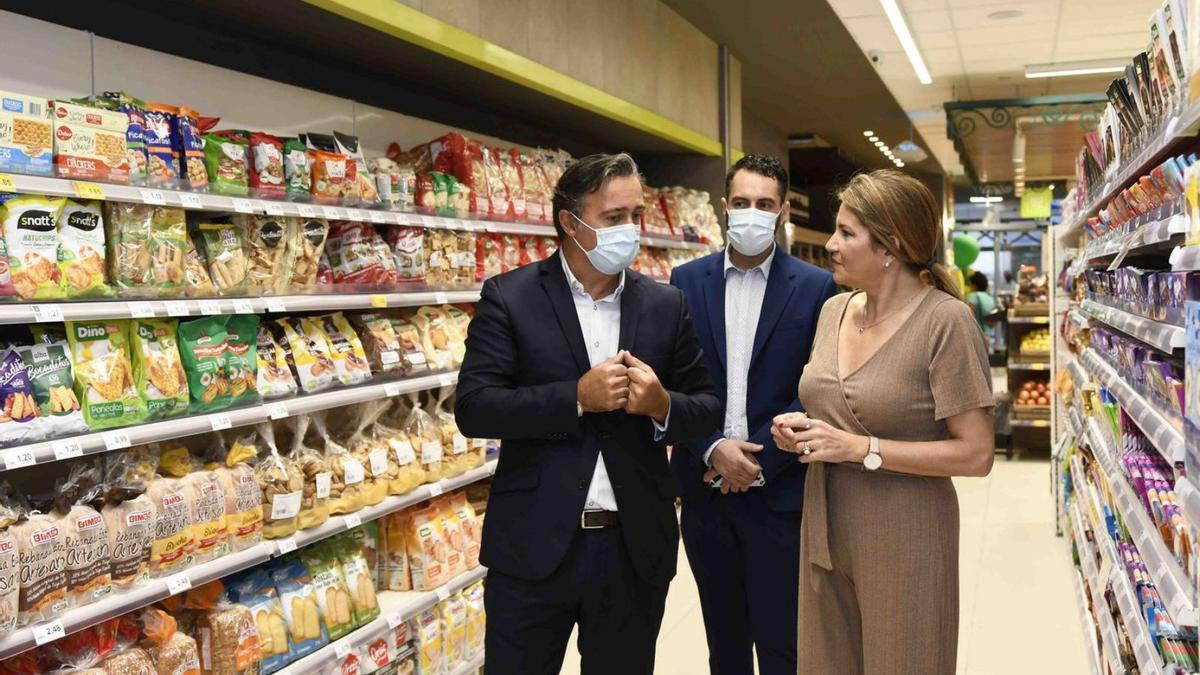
<point>1018,609</point>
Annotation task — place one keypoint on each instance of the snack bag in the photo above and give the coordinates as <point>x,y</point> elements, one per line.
<point>127,228</point>
<point>298,599</point>
<point>438,336</point>
<point>228,641</point>
<point>318,479</point>
<point>129,514</point>
<point>103,376</point>
<point>282,486</point>
<point>241,358</point>
<point>333,596</point>
<point>409,472</point>
<point>267,169</point>
<point>296,168</point>
<point>426,547</point>
<point>411,344</point>
<point>30,228</point>
<point>224,248</point>
<point>304,250</point>
<point>359,579</point>
<point>489,256</point>
<point>380,466</point>
<point>408,251</point>
<point>172,652</point>
<point>368,194</point>
<point>468,522</point>
<point>476,619</point>
<point>394,574</point>
<point>380,343</point>
<point>161,129</point>
<point>81,251</point>
<point>334,177</point>
<point>353,255</point>
<point>453,613</point>
<point>308,350</point>
<point>20,416</point>
<point>267,239</point>
<point>243,497</point>
<point>429,641</point>
<point>225,162</point>
<point>202,346</point>
<point>453,534</point>
<point>349,358</point>
<point>157,368</point>
<point>456,460</point>
<point>255,591</point>
<point>196,281</point>
<point>48,367</point>
<point>275,379</point>
<point>168,242</point>
<point>349,474</point>
<point>191,150</point>
<point>421,427</point>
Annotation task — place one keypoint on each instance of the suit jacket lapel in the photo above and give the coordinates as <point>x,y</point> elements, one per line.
<point>631,310</point>
<point>554,281</point>
<point>714,300</point>
<point>780,286</point>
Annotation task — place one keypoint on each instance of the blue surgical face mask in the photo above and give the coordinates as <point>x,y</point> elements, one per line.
<point>616,246</point>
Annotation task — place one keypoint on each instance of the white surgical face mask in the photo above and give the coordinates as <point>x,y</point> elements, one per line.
<point>616,247</point>
<point>751,231</point>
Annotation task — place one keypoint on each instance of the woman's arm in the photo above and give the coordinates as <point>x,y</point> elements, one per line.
<point>969,451</point>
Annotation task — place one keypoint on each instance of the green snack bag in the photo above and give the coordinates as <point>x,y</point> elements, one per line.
<point>103,376</point>
<point>241,358</point>
<point>441,190</point>
<point>333,597</point>
<point>225,248</point>
<point>225,162</point>
<point>157,368</point>
<point>360,580</point>
<point>49,367</point>
<point>297,174</point>
<point>202,347</point>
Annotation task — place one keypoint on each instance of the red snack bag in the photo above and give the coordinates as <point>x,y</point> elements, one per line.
<point>426,194</point>
<point>489,259</point>
<point>670,207</point>
<point>324,271</point>
<point>494,186</point>
<point>510,252</point>
<point>537,201</point>
<point>266,166</point>
<point>530,249</point>
<point>510,175</point>
<point>354,254</point>
<point>85,648</point>
<point>549,247</point>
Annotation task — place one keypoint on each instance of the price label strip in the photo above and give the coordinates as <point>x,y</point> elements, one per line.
<point>391,389</point>
<point>116,440</point>
<point>47,313</point>
<point>243,206</point>
<point>15,459</point>
<point>243,307</point>
<point>210,307</point>
<point>141,310</point>
<point>352,520</point>
<point>68,449</point>
<point>286,545</point>
<point>276,305</point>
<point>48,632</point>
<point>7,184</point>
<point>342,648</point>
<point>154,197</point>
<point>190,201</point>
<point>273,208</point>
<point>307,211</point>
<point>178,309</point>
<point>179,583</point>
<point>379,301</point>
<point>443,593</point>
<point>435,490</point>
<point>277,411</point>
<point>85,190</point>
<point>220,421</point>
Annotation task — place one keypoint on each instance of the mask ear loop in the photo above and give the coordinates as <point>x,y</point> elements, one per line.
<point>581,248</point>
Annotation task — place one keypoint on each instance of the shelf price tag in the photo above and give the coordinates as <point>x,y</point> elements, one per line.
<point>243,307</point>
<point>154,197</point>
<point>46,313</point>
<point>447,379</point>
<point>286,545</point>
<point>210,307</point>
<point>48,632</point>
<point>375,216</point>
<point>334,213</point>
<point>436,490</point>
<point>441,298</point>
<point>490,228</point>
<point>7,184</point>
<point>307,211</point>
<point>68,449</point>
<point>342,648</point>
<point>273,208</point>
<point>179,583</point>
<point>276,305</point>
<point>394,619</point>
<point>190,201</point>
<point>443,593</point>
<point>243,206</point>
<point>116,440</point>
<point>277,411</point>
<point>141,310</point>
<point>379,301</point>
<point>15,459</point>
<point>391,389</point>
<point>86,190</point>
<point>177,309</point>
<point>352,520</point>
<point>220,421</point>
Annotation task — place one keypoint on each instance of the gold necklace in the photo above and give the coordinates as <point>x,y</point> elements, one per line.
<point>861,328</point>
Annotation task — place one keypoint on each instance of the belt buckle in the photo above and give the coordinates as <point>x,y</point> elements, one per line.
<point>583,522</point>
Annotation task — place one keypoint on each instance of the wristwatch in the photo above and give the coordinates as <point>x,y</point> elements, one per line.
<point>578,409</point>
<point>873,460</point>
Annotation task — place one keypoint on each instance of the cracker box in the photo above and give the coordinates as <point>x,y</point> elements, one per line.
<point>26,135</point>
<point>89,143</point>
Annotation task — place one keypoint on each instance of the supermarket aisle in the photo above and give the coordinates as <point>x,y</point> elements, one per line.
<point>1018,613</point>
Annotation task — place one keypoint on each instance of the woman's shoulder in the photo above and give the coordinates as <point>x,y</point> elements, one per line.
<point>943,307</point>
<point>835,305</point>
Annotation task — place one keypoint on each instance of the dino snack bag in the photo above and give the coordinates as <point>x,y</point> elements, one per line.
<point>103,375</point>
<point>298,598</point>
<point>19,421</point>
<point>202,346</point>
<point>333,595</point>
<point>81,251</point>
<point>48,366</point>
<point>30,224</point>
<point>157,368</point>
<point>241,357</point>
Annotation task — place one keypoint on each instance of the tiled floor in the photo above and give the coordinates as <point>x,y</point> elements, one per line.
<point>1018,612</point>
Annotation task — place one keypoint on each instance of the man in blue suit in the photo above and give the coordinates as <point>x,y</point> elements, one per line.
<point>755,308</point>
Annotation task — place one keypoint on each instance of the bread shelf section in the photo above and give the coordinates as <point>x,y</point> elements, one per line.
<point>1078,374</point>
<point>1162,336</point>
<point>1152,229</point>
<point>1161,431</point>
<point>120,602</point>
<point>103,441</point>
<point>394,608</point>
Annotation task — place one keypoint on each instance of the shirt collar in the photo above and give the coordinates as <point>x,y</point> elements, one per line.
<point>578,289</point>
<point>764,267</point>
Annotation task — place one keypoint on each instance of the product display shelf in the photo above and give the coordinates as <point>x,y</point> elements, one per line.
<point>470,667</point>
<point>1168,575</point>
<point>1186,259</point>
<point>115,439</point>
<point>1150,230</point>
<point>1189,499</point>
<point>1090,574</point>
<point>1161,336</point>
<point>1091,634</point>
<point>1158,427</point>
<point>120,602</point>
<point>395,607</point>
<point>1044,320</point>
<point>1077,318</point>
<point>341,523</point>
<point>1078,374</point>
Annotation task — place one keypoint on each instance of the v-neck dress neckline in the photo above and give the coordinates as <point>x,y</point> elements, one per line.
<point>837,349</point>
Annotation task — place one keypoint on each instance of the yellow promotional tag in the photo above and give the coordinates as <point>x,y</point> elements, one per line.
<point>7,184</point>
<point>85,190</point>
<point>379,301</point>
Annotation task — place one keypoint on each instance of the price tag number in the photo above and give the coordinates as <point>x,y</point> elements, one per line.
<point>179,583</point>
<point>48,632</point>
<point>15,459</point>
<point>286,545</point>
<point>352,520</point>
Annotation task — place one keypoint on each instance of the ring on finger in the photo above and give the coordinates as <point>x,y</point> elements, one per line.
<point>807,448</point>
<point>807,423</point>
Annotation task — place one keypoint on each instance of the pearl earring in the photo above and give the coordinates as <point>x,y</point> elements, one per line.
<point>887,264</point>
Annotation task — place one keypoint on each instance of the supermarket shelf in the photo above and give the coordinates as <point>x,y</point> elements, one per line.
<point>1017,365</point>
<point>102,441</point>
<point>1153,229</point>
<point>469,667</point>
<point>664,242</point>
<point>1080,321</point>
<point>394,608</point>
<point>1087,552</point>
<point>1035,424</point>
<point>1186,259</point>
<point>1078,374</point>
<point>1189,499</point>
<point>1162,336</point>
<point>1159,428</point>
<point>1087,557</point>
<point>1044,320</point>
<point>337,524</point>
<point>126,601</point>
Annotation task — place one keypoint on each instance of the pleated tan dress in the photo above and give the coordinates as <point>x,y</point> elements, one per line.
<point>879,567</point>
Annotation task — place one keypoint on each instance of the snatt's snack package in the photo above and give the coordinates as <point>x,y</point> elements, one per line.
<point>81,250</point>
<point>31,234</point>
<point>103,375</point>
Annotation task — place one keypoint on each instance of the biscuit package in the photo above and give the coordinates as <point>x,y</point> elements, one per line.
<point>333,596</point>
<point>348,473</point>
<point>394,574</point>
<point>241,358</point>
<point>453,611</point>
<point>167,246</point>
<point>380,342</point>
<point>298,599</point>
<point>308,351</point>
<point>266,166</point>
<point>296,169</point>
<point>349,358</point>
<point>30,225</point>
<point>202,347</point>
<point>104,381</point>
<point>426,545</point>
<point>428,629</point>
<point>359,579</point>
<point>21,416</point>
<point>255,591</point>
<point>81,250</point>
<point>426,437</point>
<point>410,345</point>
<point>306,244</point>
<point>158,369</point>
<point>282,486</point>
<point>476,619</point>
<point>127,228</point>
<point>275,378</point>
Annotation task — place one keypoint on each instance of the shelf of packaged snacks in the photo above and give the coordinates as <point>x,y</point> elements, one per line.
<point>1077,318</point>
<point>395,607</point>
<point>341,523</point>
<point>1079,375</point>
<point>1087,548</point>
<point>665,242</point>
<point>1151,229</point>
<point>178,427</point>
<point>1091,630</point>
<point>120,602</point>
<point>1087,560</point>
<point>1076,423</point>
<point>17,313</point>
<point>1162,336</point>
<point>1033,424</point>
<point>1026,365</point>
<point>1158,427</point>
<point>1029,319</point>
<point>1189,499</point>
<point>469,667</point>
<point>1185,259</point>
<point>1171,579</point>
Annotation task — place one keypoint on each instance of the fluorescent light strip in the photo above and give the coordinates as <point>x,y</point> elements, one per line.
<point>868,133</point>
<point>896,18</point>
<point>986,200</point>
<point>1070,68</point>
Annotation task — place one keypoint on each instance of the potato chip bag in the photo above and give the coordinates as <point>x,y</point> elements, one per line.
<point>241,357</point>
<point>202,347</point>
<point>158,369</point>
<point>30,224</point>
<point>103,374</point>
<point>19,416</point>
<point>81,251</point>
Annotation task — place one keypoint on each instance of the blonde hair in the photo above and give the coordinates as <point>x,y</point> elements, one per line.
<point>903,217</point>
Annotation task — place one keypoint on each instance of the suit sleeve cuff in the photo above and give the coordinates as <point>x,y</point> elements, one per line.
<point>660,430</point>
<point>708,453</point>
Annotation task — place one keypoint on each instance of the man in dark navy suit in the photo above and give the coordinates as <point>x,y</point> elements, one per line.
<point>756,310</point>
<point>587,371</point>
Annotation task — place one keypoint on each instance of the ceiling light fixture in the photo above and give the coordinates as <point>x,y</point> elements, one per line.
<point>986,200</point>
<point>868,133</point>
<point>1005,14</point>
<point>879,144</point>
<point>900,27</point>
<point>1068,68</point>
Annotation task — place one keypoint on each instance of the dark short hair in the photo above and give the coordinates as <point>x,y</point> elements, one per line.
<point>980,281</point>
<point>763,165</point>
<point>584,177</point>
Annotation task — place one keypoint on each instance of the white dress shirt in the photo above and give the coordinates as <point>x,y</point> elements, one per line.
<point>600,322</point>
<point>744,293</point>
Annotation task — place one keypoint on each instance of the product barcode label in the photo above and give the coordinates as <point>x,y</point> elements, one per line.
<point>177,309</point>
<point>276,305</point>
<point>388,358</point>
<point>47,313</point>
<point>190,201</point>
<point>243,307</point>
<point>48,632</point>
<point>285,506</point>
<point>243,206</point>
<point>210,307</point>
<point>431,451</point>
<point>460,444</point>
<point>155,197</point>
<point>307,211</point>
<point>352,520</point>
<point>286,545</point>
<point>404,452</point>
<point>273,208</point>
<point>67,449</point>
<point>435,490</point>
<point>220,421</point>
<point>379,462</point>
<point>443,593</point>
<point>277,411</point>
<point>116,440</point>
<point>353,471</point>
<point>178,583</point>
<point>15,459</point>
<point>141,310</point>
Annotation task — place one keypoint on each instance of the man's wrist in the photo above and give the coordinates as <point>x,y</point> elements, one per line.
<point>662,409</point>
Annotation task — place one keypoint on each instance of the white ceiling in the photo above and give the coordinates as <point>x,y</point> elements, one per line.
<point>973,57</point>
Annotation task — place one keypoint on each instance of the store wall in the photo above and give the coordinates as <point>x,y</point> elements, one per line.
<point>759,137</point>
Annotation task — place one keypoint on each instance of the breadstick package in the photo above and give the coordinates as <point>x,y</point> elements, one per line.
<point>157,367</point>
<point>168,244</point>
<point>225,249</point>
<point>359,580</point>
<point>255,591</point>
<point>333,596</point>
<point>298,599</point>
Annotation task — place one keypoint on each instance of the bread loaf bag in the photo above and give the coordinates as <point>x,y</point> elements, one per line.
<point>42,563</point>
<point>173,543</point>
<point>172,652</point>
<point>230,461</point>
<point>132,661</point>
<point>10,564</point>
<point>89,556</point>
<point>129,514</point>
<point>205,497</point>
<point>228,641</point>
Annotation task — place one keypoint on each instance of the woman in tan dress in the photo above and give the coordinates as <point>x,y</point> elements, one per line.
<point>899,398</point>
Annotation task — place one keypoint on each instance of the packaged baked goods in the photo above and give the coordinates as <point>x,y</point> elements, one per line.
<point>173,652</point>
<point>472,534</point>
<point>334,177</point>
<point>205,498</point>
<point>510,175</point>
<point>409,473</point>
<point>89,143</point>
<point>163,155</point>
<point>225,161</point>
<point>282,486</point>
<point>298,599</point>
<point>42,561</point>
<point>192,171</point>
<point>127,228</point>
<point>411,344</point>
<point>241,358</point>
<point>81,250</point>
<point>407,245</point>
<point>129,514</point>
<point>428,633</point>
<point>224,248</point>
<point>426,546</point>
<point>255,591</point>
<point>354,255</point>
<point>48,367</point>
<point>476,619</point>
<point>367,538</point>
<point>426,436</point>
<point>85,535</point>
<point>460,321</point>
<point>449,259</point>
<point>348,473</point>
<point>440,338</point>
<point>318,480</point>
<point>489,256</point>
<point>333,596</point>
<point>157,367</point>
<point>453,611</point>
<point>307,351</point>
<point>269,269</point>
<point>20,415</point>
<point>510,252</point>
<point>266,166</point>
<point>380,343</point>
<point>26,135</point>
<point>202,347</point>
<point>275,378</point>
<point>9,560</point>
<point>359,579</point>
<point>305,248</point>
<point>79,652</point>
<point>131,661</point>
<point>298,175</point>
<point>173,542</point>
<point>349,358</point>
<point>452,533</point>
<point>373,455</point>
<point>168,243</point>
<point>230,458</point>
<point>30,228</point>
<point>538,196</point>
<point>393,563</point>
<point>368,194</point>
<point>228,641</point>
<point>456,459</point>
<point>197,283</point>
<point>103,376</point>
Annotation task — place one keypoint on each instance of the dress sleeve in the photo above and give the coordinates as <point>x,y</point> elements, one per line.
<point>960,376</point>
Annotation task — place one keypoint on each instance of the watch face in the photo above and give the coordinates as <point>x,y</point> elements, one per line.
<point>872,461</point>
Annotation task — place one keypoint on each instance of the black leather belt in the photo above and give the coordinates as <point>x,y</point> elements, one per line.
<point>596,520</point>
